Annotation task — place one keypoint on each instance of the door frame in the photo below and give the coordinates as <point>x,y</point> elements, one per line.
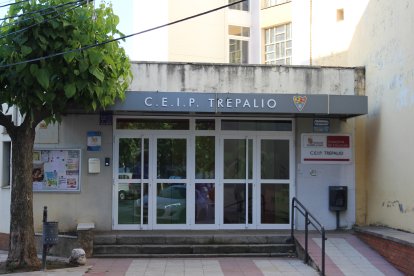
<point>189,135</point>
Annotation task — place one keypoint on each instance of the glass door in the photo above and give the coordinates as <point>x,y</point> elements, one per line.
<point>131,182</point>
<point>171,183</point>
<point>238,175</point>
<point>275,182</point>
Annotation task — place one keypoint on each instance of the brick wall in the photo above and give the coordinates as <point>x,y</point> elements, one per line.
<point>400,255</point>
<point>4,241</point>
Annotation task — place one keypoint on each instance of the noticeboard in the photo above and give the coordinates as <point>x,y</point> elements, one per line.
<point>56,170</point>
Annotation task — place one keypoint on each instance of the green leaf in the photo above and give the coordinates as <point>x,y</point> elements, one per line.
<point>69,57</point>
<point>20,67</point>
<point>97,73</point>
<point>26,50</point>
<point>95,57</point>
<point>70,90</point>
<point>42,76</point>
<point>33,69</point>
<point>83,65</point>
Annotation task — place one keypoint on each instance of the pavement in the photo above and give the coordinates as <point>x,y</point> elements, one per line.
<point>345,255</point>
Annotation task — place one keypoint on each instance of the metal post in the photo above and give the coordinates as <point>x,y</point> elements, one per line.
<point>323,251</point>
<point>306,237</point>
<point>43,239</point>
<point>337,220</point>
<point>292,222</point>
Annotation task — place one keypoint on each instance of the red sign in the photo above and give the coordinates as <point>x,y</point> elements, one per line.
<point>337,142</point>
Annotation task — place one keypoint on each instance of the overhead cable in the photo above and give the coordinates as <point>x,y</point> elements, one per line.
<point>119,38</point>
<point>36,24</point>
<point>15,3</point>
<point>40,10</point>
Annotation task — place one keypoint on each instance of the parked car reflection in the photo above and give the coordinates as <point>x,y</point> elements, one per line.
<point>171,203</point>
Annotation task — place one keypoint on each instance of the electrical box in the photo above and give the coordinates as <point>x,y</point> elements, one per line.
<point>338,198</point>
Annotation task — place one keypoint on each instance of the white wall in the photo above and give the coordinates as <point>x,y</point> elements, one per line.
<point>313,180</point>
<point>94,202</point>
<point>5,210</point>
<point>202,77</point>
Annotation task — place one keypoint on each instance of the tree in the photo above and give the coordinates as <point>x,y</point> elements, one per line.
<point>47,89</point>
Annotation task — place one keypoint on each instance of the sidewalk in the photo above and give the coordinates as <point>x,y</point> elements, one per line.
<point>345,255</point>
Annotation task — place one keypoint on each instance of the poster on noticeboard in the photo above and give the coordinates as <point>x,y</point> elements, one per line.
<point>56,170</point>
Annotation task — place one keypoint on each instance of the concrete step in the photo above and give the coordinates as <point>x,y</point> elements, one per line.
<point>194,250</point>
<point>128,239</point>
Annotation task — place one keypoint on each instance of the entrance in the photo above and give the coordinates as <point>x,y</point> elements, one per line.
<point>198,178</point>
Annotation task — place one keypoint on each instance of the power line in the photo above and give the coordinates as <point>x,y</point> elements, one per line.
<point>120,38</point>
<point>16,3</point>
<point>44,21</point>
<point>33,17</point>
<point>40,10</point>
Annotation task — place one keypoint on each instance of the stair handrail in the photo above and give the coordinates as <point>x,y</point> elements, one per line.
<point>309,219</point>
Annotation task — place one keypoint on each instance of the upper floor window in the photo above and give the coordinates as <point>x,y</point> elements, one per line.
<point>270,3</point>
<point>243,6</point>
<point>239,51</point>
<point>278,45</point>
<point>239,44</point>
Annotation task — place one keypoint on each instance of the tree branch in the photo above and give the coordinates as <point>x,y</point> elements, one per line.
<point>7,122</point>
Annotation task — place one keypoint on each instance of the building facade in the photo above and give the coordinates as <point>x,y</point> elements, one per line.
<point>370,34</point>
<point>204,146</point>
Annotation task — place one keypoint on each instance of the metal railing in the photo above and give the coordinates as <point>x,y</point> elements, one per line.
<point>309,219</point>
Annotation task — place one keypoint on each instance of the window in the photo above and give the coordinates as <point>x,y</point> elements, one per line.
<point>243,6</point>
<point>153,124</point>
<point>270,3</point>
<point>340,15</point>
<point>278,43</point>
<point>239,44</point>
<point>239,31</point>
<point>239,51</point>
<point>256,125</point>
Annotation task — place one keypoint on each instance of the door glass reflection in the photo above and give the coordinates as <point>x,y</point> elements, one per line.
<point>275,203</point>
<point>130,158</point>
<point>275,159</point>
<point>235,158</point>
<point>234,203</point>
<point>171,203</point>
<point>171,158</point>
<point>204,203</point>
<point>205,157</point>
<point>129,203</point>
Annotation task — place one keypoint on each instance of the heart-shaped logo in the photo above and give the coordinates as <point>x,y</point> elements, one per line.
<point>300,102</point>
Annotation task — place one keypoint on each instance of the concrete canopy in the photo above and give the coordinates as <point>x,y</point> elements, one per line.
<point>299,91</point>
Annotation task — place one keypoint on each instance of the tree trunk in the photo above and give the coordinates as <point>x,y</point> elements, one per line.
<point>22,247</point>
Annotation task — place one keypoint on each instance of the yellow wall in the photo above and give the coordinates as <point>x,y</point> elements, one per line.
<point>275,15</point>
<point>377,35</point>
<point>201,39</point>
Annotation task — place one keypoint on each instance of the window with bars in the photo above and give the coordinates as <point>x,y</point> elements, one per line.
<point>278,45</point>
<point>243,6</point>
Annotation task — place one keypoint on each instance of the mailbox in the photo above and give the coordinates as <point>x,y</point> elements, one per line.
<point>338,198</point>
